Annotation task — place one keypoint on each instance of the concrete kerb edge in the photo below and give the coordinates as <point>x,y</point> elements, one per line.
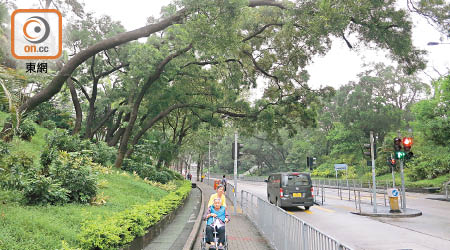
<point>393,215</point>
<point>190,242</point>
<point>154,230</point>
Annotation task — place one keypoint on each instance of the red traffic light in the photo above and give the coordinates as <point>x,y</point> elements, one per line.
<point>407,141</point>
<point>393,161</point>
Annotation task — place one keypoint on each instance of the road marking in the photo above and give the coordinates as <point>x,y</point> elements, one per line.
<point>289,212</point>
<point>308,212</point>
<point>324,209</point>
<point>238,209</point>
<point>346,208</point>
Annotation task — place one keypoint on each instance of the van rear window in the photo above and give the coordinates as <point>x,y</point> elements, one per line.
<point>295,180</point>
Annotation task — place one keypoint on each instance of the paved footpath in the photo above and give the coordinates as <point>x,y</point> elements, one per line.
<point>174,235</point>
<point>242,234</point>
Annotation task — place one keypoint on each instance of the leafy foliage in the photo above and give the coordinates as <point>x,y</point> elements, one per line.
<point>141,162</point>
<point>49,124</point>
<point>432,116</point>
<point>59,140</point>
<point>15,170</point>
<point>70,178</point>
<point>27,129</point>
<point>42,190</point>
<point>4,148</point>
<point>122,228</point>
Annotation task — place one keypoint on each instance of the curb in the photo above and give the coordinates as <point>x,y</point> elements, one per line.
<point>153,231</point>
<point>409,213</point>
<point>190,242</point>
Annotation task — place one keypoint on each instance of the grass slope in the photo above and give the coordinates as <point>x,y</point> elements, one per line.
<point>44,227</point>
<point>33,147</point>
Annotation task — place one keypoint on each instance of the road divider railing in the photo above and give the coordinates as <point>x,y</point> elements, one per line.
<point>349,189</point>
<point>353,190</point>
<point>240,177</point>
<point>284,231</point>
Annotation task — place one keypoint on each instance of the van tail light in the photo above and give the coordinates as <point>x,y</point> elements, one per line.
<point>312,191</point>
<point>281,192</point>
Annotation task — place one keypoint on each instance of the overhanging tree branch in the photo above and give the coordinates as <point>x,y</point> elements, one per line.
<point>57,82</point>
<point>259,68</point>
<point>106,73</point>
<point>261,30</point>
<point>81,87</point>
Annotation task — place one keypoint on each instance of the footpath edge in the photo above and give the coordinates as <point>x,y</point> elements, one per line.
<point>190,242</point>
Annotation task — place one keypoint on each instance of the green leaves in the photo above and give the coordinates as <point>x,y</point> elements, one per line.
<point>118,230</point>
<point>432,116</point>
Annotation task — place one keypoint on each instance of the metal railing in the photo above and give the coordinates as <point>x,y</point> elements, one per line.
<point>348,189</point>
<point>282,230</point>
<point>285,231</point>
<point>352,190</point>
<point>240,177</point>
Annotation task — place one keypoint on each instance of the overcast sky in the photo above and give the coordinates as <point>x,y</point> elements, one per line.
<point>338,67</point>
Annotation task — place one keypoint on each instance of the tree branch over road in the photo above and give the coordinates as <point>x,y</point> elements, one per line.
<point>57,82</point>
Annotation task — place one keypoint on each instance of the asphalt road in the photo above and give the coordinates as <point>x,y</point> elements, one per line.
<point>429,231</point>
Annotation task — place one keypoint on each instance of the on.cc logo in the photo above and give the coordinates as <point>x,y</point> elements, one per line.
<point>36,29</point>
<point>36,34</point>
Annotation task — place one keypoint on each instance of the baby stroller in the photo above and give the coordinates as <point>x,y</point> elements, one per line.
<point>215,238</point>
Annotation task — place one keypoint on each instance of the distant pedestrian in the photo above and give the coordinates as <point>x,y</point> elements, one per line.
<point>203,177</point>
<point>224,183</point>
<point>190,176</point>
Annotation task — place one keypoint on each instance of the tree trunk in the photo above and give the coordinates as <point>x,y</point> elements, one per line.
<point>180,165</point>
<point>113,128</point>
<point>91,113</point>
<point>103,121</point>
<point>77,106</point>
<point>155,76</point>
<point>150,124</point>
<point>119,132</point>
<point>198,168</point>
<point>7,134</point>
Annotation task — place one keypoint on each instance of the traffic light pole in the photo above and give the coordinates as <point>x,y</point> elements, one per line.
<point>209,156</point>
<point>393,177</point>
<point>235,168</point>
<point>403,185</point>
<point>402,177</point>
<point>374,186</point>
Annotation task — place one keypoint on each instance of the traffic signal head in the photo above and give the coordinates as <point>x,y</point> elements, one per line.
<point>397,144</point>
<point>367,150</point>
<point>409,155</point>
<point>310,162</point>
<point>391,161</point>
<point>407,143</point>
<point>399,155</point>
<point>239,149</point>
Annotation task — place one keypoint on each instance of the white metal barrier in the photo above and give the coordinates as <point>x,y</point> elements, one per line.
<point>285,231</point>
<point>282,230</point>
